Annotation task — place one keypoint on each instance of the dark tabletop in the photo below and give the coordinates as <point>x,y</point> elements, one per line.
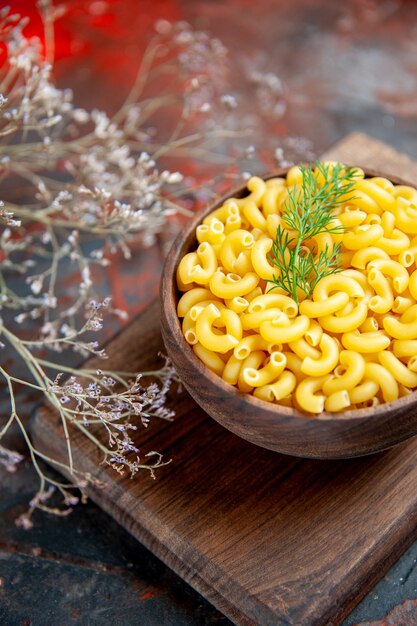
<point>344,66</point>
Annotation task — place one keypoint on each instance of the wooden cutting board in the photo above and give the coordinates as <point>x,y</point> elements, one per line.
<point>268,539</point>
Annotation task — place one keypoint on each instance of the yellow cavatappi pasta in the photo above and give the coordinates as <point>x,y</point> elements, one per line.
<point>237,304</point>
<point>308,396</point>
<point>274,366</point>
<point>253,342</point>
<point>206,335</point>
<point>209,358</point>
<point>365,342</point>
<point>232,285</point>
<point>406,215</point>
<point>212,232</point>
<point>235,251</point>
<point>303,349</point>
<point>283,330</point>
<point>259,258</point>
<point>271,300</point>
<point>327,360</point>
<point>384,299</point>
<point>348,374</point>
<point>280,389</point>
<point>352,343</point>
<point>192,297</point>
<point>253,361</point>
<point>314,333</point>
<point>231,370</point>
<point>362,257</point>
<point>337,401</point>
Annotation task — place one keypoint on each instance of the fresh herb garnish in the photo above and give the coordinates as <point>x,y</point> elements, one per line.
<point>309,211</point>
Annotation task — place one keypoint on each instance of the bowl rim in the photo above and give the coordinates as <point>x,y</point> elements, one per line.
<point>169,299</point>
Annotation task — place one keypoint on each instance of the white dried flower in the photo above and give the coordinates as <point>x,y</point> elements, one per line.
<point>36,286</point>
<point>97,189</point>
<point>229,101</point>
<point>80,116</point>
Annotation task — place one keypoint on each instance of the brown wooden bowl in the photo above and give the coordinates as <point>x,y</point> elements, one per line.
<point>327,436</point>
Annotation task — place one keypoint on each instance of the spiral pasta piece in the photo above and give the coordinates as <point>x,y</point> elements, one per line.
<point>207,337</point>
<point>352,375</point>
<point>326,362</point>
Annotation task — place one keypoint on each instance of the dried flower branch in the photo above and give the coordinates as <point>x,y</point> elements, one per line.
<point>89,186</point>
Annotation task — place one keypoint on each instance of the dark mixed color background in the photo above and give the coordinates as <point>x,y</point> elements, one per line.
<point>343,66</point>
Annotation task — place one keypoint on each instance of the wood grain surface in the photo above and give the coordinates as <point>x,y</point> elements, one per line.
<point>269,539</point>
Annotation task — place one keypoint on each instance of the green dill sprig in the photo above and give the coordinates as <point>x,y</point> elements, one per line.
<point>309,211</point>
